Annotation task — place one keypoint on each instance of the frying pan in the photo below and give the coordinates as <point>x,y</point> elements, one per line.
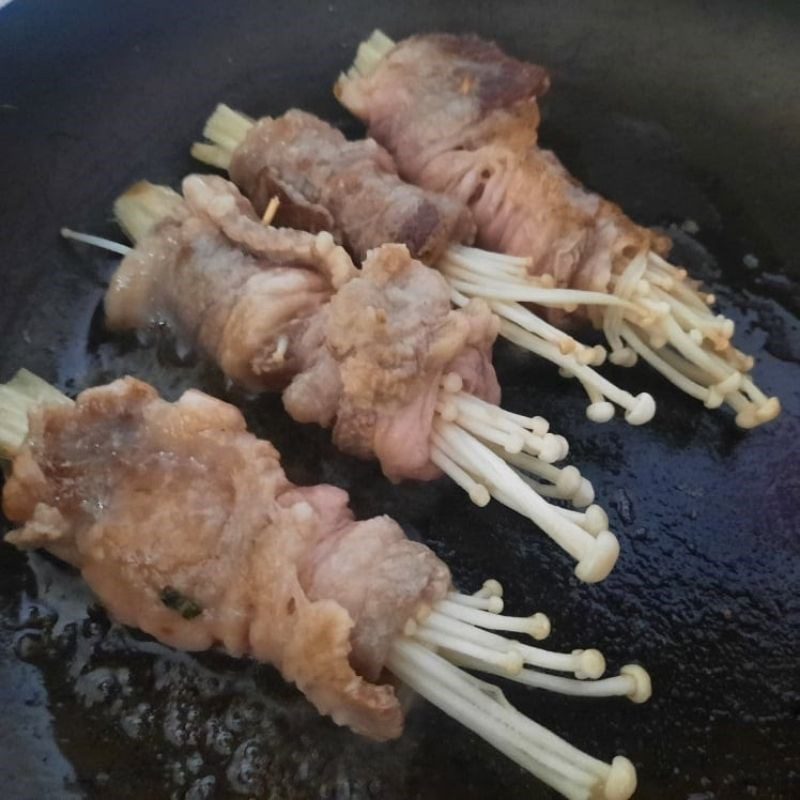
<point>684,113</point>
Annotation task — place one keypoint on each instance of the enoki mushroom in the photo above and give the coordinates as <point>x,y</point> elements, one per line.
<point>460,633</point>
<point>665,320</point>
<point>491,452</point>
<point>225,131</point>
<point>487,451</point>
<point>652,311</point>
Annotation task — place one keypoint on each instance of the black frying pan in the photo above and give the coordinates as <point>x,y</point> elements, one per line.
<point>679,111</point>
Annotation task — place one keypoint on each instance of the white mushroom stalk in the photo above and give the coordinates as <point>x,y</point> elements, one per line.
<point>526,329</point>
<point>137,211</point>
<point>487,451</point>
<point>226,129</point>
<point>17,397</point>
<point>96,241</point>
<point>490,452</point>
<point>457,634</point>
<point>652,310</point>
<point>369,54</point>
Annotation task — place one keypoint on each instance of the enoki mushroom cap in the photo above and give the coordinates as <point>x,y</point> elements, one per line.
<point>596,519</point>
<point>599,559</point>
<point>599,355</point>
<point>512,662</point>
<point>491,586</point>
<point>624,357</point>
<point>621,780</point>
<point>642,685</point>
<point>553,447</point>
<point>642,411</point>
<point>601,411</point>
<point>591,664</point>
<point>585,494</point>
<point>754,415</point>
<point>495,604</point>
<point>540,626</point>
<point>569,481</point>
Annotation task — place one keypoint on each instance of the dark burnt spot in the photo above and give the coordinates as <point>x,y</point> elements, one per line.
<point>421,231</point>
<point>509,82</point>
<point>290,606</point>
<point>498,80</point>
<point>629,251</point>
<point>175,600</point>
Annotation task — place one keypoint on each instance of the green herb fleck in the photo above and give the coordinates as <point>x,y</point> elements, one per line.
<point>173,599</point>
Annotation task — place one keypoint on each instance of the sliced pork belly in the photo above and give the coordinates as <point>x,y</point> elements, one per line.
<point>430,94</point>
<point>392,335</point>
<point>363,354</point>
<point>402,377</point>
<point>470,271</point>
<point>325,182</point>
<point>185,526</point>
<point>241,291</point>
<point>461,118</point>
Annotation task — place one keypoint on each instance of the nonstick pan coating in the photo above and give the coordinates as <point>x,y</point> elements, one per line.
<point>679,112</point>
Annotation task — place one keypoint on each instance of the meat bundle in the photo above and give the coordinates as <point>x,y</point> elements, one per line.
<point>309,168</point>
<point>378,354</point>
<point>185,525</point>
<point>461,117</point>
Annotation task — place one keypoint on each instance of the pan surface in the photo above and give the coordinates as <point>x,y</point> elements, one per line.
<point>684,113</point>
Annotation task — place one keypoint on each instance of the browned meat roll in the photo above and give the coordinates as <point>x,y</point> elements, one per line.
<point>242,292</point>
<point>378,354</point>
<point>352,189</point>
<point>243,146</point>
<point>185,525</point>
<point>460,117</point>
<point>263,304</point>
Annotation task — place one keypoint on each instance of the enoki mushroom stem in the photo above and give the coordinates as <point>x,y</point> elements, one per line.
<point>675,333</point>
<point>490,452</point>
<point>369,54</point>
<point>672,328</point>
<point>458,634</point>
<point>225,130</point>
<point>143,206</point>
<point>24,392</point>
<point>654,313</point>
<point>96,241</point>
<point>503,283</point>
